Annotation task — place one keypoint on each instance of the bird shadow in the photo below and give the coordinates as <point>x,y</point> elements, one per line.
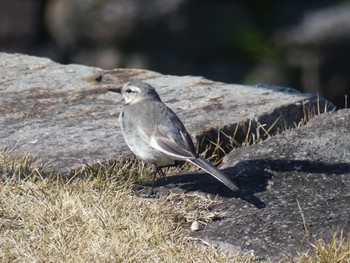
<point>252,177</point>
<point>192,182</point>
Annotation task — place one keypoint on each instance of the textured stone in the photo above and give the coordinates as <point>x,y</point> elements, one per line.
<point>321,27</point>
<point>294,186</point>
<point>63,114</point>
<point>295,190</point>
<point>70,21</point>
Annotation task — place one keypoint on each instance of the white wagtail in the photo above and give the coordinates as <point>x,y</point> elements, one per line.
<point>155,134</point>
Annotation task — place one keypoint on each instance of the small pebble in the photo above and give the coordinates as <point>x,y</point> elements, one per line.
<point>195,226</point>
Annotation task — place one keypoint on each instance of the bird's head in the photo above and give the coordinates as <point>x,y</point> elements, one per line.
<point>136,91</point>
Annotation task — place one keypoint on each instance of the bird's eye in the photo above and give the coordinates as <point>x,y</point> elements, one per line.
<point>128,90</point>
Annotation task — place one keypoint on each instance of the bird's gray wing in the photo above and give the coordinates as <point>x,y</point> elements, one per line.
<point>171,137</point>
<point>167,144</point>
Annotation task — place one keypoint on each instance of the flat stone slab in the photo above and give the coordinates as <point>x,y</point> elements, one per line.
<point>295,190</point>
<point>63,114</point>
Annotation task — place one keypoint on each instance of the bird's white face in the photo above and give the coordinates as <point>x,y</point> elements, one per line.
<point>131,93</point>
<point>136,91</point>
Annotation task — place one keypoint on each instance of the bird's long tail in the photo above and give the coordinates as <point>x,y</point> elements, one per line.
<point>212,170</point>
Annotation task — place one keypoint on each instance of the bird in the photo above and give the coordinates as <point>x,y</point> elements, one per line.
<point>156,135</point>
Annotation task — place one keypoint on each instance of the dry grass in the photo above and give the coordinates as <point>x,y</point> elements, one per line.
<point>336,250</point>
<point>95,219</point>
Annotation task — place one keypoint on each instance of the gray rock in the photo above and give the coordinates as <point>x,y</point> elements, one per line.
<point>322,27</point>
<point>318,47</point>
<point>294,186</point>
<point>195,226</point>
<point>295,190</point>
<point>63,115</point>
<point>70,21</point>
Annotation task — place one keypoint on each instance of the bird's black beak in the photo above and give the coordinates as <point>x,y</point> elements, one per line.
<point>118,90</point>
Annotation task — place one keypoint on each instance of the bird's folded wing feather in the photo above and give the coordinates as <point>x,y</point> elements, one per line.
<point>168,134</point>
<point>166,143</point>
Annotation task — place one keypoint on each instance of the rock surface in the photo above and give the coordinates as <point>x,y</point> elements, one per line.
<point>64,115</point>
<point>295,187</point>
<point>321,27</point>
<point>318,48</point>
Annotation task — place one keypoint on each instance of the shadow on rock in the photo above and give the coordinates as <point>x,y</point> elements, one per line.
<point>246,168</point>
<point>252,177</point>
<point>249,185</point>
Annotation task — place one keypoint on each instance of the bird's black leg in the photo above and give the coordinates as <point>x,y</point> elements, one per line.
<point>156,170</point>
